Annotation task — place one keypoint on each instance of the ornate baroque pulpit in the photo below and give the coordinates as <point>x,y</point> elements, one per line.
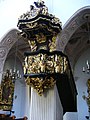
<point>46,70</point>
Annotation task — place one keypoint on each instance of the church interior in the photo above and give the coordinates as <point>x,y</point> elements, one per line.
<point>44,65</point>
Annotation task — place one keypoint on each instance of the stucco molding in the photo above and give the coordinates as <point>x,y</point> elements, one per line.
<point>71,26</point>
<point>6,44</point>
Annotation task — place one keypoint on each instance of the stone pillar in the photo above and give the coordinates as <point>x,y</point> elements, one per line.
<point>47,106</point>
<point>27,101</point>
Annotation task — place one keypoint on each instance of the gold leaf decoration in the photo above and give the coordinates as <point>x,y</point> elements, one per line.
<point>6,94</point>
<point>40,84</point>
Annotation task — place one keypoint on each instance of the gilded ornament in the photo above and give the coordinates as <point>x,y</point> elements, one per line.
<point>87,98</point>
<point>42,66</point>
<point>31,25</point>
<point>40,38</point>
<point>52,44</point>
<point>42,62</point>
<point>6,93</point>
<point>40,84</point>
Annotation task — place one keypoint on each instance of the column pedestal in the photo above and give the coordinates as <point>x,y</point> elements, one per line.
<point>47,106</point>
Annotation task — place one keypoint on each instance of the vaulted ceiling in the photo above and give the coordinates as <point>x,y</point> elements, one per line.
<point>79,42</point>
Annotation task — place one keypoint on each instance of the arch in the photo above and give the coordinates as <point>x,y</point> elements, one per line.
<point>75,21</point>
<point>6,44</point>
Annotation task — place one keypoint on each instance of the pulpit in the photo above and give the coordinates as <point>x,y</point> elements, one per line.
<point>46,70</point>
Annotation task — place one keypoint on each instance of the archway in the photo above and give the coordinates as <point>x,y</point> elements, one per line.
<point>5,45</point>
<point>73,38</point>
<point>73,41</point>
<point>7,59</point>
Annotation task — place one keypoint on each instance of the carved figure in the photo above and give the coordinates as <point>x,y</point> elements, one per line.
<point>43,66</point>
<point>57,67</point>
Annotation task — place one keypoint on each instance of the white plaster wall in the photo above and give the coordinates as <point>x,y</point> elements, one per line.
<point>81,79</point>
<point>21,104</point>
<point>81,84</point>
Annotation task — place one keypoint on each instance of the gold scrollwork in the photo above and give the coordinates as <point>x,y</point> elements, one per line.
<point>87,98</point>
<point>40,84</point>
<point>52,44</point>
<point>32,45</point>
<point>41,38</point>
<point>6,93</point>
<point>31,25</point>
<point>43,63</point>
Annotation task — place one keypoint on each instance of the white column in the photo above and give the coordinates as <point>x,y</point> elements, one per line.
<point>27,101</point>
<point>47,106</point>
